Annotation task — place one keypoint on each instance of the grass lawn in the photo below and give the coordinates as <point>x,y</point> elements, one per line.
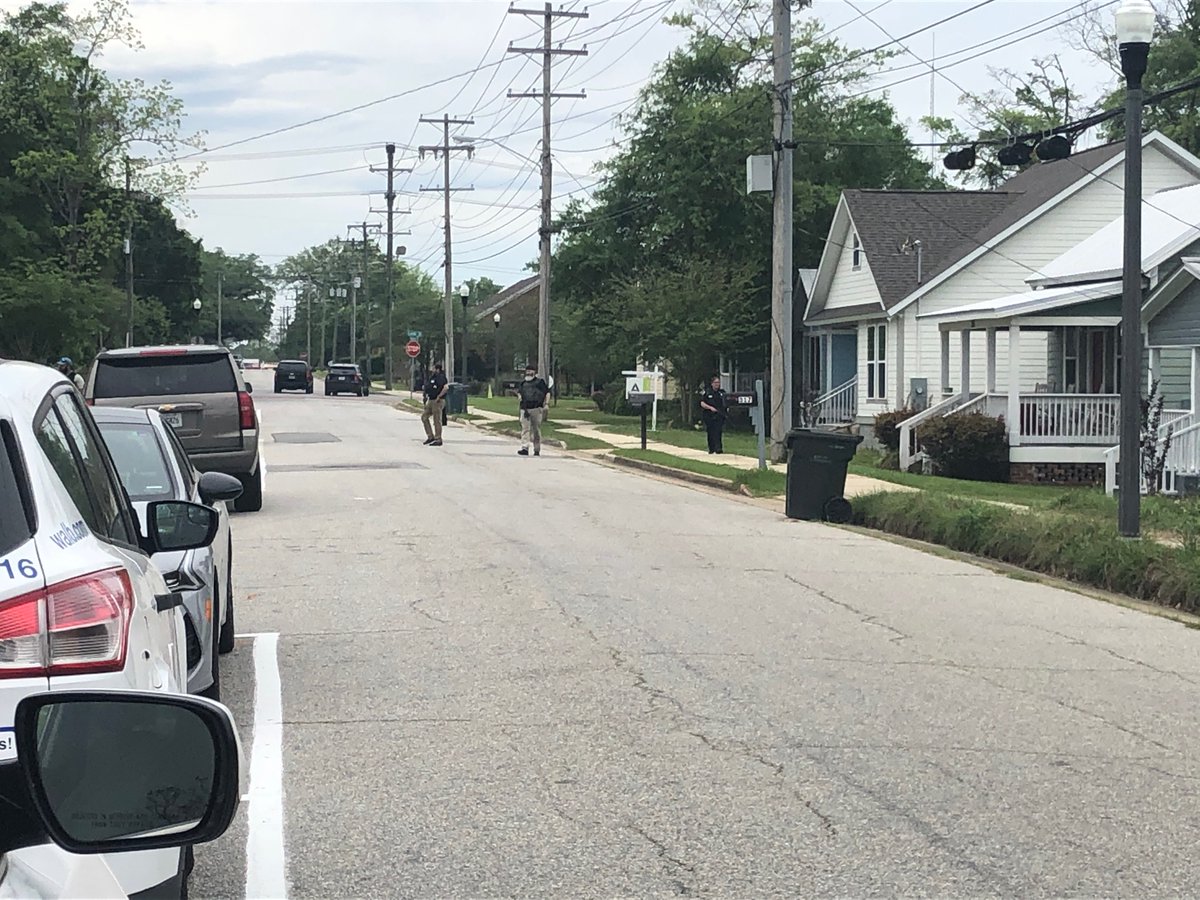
<point>759,483</point>
<point>571,439</point>
<point>1158,513</point>
<point>738,443</point>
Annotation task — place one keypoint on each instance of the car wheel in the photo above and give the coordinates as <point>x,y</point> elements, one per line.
<point>278,390</point>
<point>225,644</point>
<point>251,498</point>
<point>308,390</point>
<point>213,691</point>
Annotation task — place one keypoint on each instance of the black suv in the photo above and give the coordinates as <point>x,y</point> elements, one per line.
<point>293,375</point>
<point>345,378</point>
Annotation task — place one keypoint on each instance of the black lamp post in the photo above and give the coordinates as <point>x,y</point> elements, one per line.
<point>196,304</point>
<point>1135,28</point>
<point>496,322</point>
<point>464,293</point>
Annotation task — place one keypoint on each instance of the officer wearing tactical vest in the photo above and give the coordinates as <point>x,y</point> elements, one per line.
<point>712,406</point>
<point>533,393</point>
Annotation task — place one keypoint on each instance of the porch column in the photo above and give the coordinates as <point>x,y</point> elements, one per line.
<point>945,364</point>
<point>1154,369</point>
<point>964,365</point>
<point>827,375</point>
<point>1014,385</point>
<point>991,360</point>
<point>1195,380</point>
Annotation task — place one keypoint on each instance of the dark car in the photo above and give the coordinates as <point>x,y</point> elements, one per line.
<point>345,378</point>
<point>293,375</point>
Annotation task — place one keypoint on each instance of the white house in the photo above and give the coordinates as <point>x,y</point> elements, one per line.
<point>1066,429</point>
<point>894,258</point>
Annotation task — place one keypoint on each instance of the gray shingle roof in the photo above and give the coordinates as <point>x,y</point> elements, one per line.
<point>951,224</point>
<point>514,291</point>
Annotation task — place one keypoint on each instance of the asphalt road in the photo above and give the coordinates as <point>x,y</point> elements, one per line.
<point>546,678</point>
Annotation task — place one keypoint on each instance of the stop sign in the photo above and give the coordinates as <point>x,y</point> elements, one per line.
<point>413,349</point>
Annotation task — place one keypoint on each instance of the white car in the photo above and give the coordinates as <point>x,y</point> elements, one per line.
<point>82,607</point>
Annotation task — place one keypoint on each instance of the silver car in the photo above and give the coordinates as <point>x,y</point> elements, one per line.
<point>152,464</point>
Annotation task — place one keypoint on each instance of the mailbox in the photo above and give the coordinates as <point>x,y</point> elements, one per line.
<point>639,398</point>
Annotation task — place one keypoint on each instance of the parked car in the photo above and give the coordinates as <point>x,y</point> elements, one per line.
<point>241,363</point>
<point>345,378</point>
<point>82,606</point>
<point>252,363</point>
<point>85,764</point>
<point>293,375</point>
<point>200,393</point>
<point>153,466</point>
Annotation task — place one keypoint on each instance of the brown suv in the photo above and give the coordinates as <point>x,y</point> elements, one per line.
<point>199,390</point>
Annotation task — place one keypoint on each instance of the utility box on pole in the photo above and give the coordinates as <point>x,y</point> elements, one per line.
<point>759,174</point>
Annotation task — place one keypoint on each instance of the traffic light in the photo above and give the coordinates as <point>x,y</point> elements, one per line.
<point>1018,154</point>
<point>960,160</point>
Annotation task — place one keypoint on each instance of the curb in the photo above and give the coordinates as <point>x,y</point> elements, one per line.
<point>669,472</point>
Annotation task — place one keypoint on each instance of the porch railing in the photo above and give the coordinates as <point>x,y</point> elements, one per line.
<point>1069,418</point>
<point>1183,456</point>
<point>838,406</point>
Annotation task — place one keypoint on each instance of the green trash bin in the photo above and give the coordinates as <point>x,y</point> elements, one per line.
<point>456,399</point>
<point>816,474</point>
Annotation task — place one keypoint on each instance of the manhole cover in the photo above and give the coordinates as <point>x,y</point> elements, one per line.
<point>350,467</point>
<point>305,437</point>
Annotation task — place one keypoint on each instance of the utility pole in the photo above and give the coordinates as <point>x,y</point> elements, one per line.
<point>308,325</point>
<point>547,51</point>
<point>366,285</point>
<point>445,149</point>
<point>390,195</point>
<point>220,288</point>
<point>781,257</point>
<point>129,250</point>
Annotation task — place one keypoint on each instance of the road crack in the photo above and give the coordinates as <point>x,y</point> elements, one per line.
<point>674,863</point>
<point>865,617</point>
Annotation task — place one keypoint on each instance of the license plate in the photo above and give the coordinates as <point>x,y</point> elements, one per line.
<point>8,744</point>
<point>175,420</point>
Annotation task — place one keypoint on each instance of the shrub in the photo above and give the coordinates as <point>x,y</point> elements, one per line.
<point>1065,546</point>
<point>887,427</point>
<point>973,446</point>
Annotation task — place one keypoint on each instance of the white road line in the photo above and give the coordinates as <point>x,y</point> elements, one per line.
<point>266,866</point>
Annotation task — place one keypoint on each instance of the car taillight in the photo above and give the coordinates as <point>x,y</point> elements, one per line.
<point>246,408</point>
<point>78,625</point>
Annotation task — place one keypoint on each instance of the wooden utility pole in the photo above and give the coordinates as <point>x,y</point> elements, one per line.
<point>220,290</point>
<point>390,195</point>
<point>445,149</point>
<point>366,228</point>
<point>781,257</point>
<point>547,52</point>
<point>129,250</point>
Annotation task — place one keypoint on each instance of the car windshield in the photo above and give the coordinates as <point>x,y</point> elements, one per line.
<point>163,376</point>
<point>344,370</point>
<point>14,526</point>
<point>292,366</point>
<point>140,460</point>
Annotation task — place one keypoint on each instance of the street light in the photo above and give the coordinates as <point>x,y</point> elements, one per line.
<point>1135,28</point>
<point>496,322</point>
<point>464,293</point>
<point>196,306</point>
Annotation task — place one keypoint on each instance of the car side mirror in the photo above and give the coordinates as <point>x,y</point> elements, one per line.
<point>114,771</point>
<point>178,525</point>
<point>249,388</point>
<point>216,487</point>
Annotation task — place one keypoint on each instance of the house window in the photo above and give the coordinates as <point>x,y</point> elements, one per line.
<point>856,252</point>
<point>877,362</point>
<point>1071,360</point>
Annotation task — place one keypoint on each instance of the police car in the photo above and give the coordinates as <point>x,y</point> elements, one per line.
<point>82,607</point>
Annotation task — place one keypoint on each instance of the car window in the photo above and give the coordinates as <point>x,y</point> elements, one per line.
<point>162,376</point>
<point>186,469</point>
<point>139,460</point>
<point>107,496</point>
<point>52,437</point>
<point>16,521</point>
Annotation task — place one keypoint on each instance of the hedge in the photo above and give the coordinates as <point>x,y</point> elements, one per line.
<point>1060,545</point>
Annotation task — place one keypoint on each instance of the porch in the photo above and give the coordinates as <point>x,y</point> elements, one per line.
<point>831,372</point>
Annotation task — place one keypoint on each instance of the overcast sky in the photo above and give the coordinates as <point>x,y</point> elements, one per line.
<point>247,68</point>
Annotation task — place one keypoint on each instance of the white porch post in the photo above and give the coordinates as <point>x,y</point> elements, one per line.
<point>945,363</point>
<point>1154,370</point>
<point>964,365</point>
<point>1014,385</point>
<point>991,360</point>
<point>827,375</point>
<point>1195,380</point>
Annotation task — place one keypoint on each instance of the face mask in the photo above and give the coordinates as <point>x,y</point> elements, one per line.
<point>529,378</point>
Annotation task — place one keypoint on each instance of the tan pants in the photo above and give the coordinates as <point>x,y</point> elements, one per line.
<point>531,427</point>
<point>433,411</point>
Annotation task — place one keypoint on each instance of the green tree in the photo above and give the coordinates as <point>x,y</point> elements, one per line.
<point>247,291</point>
<point>672,207</point>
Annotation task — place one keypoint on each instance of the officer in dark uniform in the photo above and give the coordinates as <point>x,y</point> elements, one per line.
<point>712,410</point>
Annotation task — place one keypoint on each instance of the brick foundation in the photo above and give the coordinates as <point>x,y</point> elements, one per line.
<point>1057,473</point>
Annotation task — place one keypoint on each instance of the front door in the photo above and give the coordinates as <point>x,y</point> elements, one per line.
<point>844,364</point>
